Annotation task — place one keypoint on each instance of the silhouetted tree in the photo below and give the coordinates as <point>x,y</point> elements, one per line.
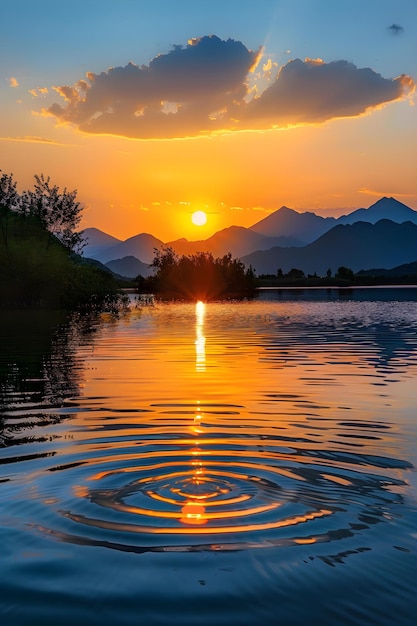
<point>344,273</point>
<point>294,274</point>
<point>9,198</point>
<point>38,263</point>
<point>199,276</point>
<point>59,212</point>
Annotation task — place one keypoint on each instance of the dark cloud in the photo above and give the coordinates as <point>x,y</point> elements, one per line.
<point>202,87</point>
<point>178,94</point>
<point>396,29</point>
<point>312,91</point>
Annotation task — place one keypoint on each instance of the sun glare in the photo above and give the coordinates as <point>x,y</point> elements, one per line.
<point>199,218</point>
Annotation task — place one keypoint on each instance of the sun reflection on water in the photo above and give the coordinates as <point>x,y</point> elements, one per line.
<point>248,447</point>
<point>193,511</point>
<point>200,341</point>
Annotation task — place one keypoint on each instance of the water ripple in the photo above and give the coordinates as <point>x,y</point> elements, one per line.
<point>148,486</point>
<point>266,451</point>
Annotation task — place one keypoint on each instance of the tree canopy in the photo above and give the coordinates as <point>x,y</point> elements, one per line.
<point>58,211</point>
<point>39,265</point>
<point>199,277</point>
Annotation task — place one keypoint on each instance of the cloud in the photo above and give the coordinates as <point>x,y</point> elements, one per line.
<point>313,91</point>
<point>396,29</point>
<point>33,139</point>
<point>178,94</point>
<point>204,87</point>
<point>390,193</point>
<point>39,91</point>
<point>13,82</point>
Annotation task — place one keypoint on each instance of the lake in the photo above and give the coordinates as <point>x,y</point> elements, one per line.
<point>224,463</point>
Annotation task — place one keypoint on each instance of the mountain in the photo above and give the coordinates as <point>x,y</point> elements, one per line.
<point>235,239</point>
<point>96,242</point>
<point>94,263</point>
<point>384,208</point>
<point>408,269</point>
<point>286,222</point>
<point>283,229</point>
<point>129,266</point>
<point>359,246</point>
<point>140,246</point>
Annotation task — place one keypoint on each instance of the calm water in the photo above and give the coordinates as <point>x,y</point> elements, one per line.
<point>240,464</point>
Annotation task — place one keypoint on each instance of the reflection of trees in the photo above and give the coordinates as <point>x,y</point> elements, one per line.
<point>39,367</point>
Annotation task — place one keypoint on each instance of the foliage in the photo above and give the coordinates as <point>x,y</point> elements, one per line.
<point>344,273</point>
<point>8,193</point>
<point>295,273</point>
<point>59,212</point>
<point>38,265</point>
<point>199,276</point>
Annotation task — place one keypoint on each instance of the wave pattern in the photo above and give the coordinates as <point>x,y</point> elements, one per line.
<point>232,428</point>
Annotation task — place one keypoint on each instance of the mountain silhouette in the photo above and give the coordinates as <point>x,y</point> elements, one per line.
<point>97,242</point>
<point>407,269</point>
<point>384,208</point>
<point>235,239</point>
<point>140,246</point>
<point>129,267</point>
<point>277,241</point>
<point>286,222</point>
<point>357,246</point>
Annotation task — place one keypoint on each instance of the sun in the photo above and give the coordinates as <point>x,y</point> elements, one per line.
<point>199,218</point>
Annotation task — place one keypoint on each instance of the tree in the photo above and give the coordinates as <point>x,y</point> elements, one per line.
<point>199,276</point>
<point>38,263</point>
<point>59,212</point>
<point>295,274</point>
<point>329,273</point>
<point>344,273</point>
<point>9,198</point>
<point>9,201</point>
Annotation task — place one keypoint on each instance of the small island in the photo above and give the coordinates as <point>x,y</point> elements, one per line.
<point>198,277</point>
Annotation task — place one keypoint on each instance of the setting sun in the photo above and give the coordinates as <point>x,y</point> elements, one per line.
<point>199,218</point>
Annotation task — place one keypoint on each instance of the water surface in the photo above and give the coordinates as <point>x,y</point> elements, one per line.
<point>241,463</point>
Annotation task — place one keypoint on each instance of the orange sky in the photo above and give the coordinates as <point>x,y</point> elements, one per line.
<point>344,136</point>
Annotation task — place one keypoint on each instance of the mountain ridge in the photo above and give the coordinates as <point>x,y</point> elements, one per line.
<point>359,246</point>
<point>285,229</point>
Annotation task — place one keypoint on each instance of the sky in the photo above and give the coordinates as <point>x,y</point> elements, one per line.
<point>155,109</point>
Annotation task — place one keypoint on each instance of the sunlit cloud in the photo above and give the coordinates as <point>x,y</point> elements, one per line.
<point>210,86</point>
<point>32,139</point>
<point>313,91</point>
<point>387,193</point>
<point>39,92</point>
<point>13,82</point>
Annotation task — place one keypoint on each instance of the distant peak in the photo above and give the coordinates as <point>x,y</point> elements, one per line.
<point>385,200</point>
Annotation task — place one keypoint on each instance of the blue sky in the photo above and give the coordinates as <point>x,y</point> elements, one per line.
<point>44,38</point>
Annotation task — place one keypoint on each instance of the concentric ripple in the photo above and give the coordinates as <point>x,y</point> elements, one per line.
<point>277,451</point>
<point>167,487</point>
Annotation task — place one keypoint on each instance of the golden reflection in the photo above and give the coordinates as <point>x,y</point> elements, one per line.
<point>200,342</point>
<point>193,513</point>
